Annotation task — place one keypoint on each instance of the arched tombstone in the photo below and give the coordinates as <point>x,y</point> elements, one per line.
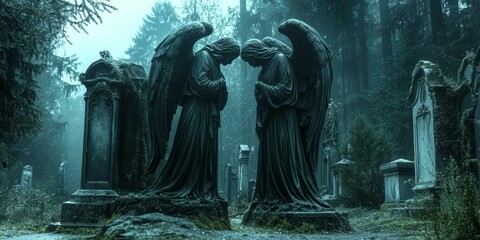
<point>434,108</point>
<point>114,146</point>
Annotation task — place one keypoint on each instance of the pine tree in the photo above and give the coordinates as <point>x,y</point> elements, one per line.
<point>31,31</point>
<point>156,26</point>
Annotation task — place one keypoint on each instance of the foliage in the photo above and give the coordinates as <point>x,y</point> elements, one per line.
<point>33,210</point>
<point>389,109</point>
<point>239,205</point>
<point>156,26</point>
<point>456,216</point>
<point>368,220</point>
<point>362,181</point>
<point>205,222</point>
<point>31,30</point>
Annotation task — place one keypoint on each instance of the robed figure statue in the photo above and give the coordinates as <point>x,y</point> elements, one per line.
<point>292,94</point>
<point>195,82</point>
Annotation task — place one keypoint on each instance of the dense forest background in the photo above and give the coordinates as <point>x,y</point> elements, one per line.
<point>375,45</point>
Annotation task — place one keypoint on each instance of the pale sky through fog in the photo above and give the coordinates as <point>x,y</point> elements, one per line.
<point>116,32</point>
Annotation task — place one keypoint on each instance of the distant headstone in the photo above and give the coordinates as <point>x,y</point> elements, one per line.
<point>398,176</point>
<point>251,190</point>
<point>468,75</point>
<point>61,179</point>
<point>243,173</point>
<point>231,183</point>
<point>26,180</point>
<point>338,170</point>
<point>330,149</point>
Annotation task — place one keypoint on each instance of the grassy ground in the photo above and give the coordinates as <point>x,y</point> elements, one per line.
<point>376,221</point>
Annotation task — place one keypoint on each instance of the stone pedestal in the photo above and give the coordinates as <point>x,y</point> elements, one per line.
<point>87,207</point>
<point>338,169</point>
<point>115,114</point>
<point>398,176</point>
<point>207,214</point>
<point>294,217</point>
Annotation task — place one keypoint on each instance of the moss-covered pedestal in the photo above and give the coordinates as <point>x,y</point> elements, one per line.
<point>206,214</point>
<point>294,217</point>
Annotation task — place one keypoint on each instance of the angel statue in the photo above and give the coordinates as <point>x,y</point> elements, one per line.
<point>194,81</point>
<point>292,95</point>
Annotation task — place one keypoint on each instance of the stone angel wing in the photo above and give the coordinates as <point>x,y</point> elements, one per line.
<point>311,61</point>
<point>275,43</point>
<point>171,65</point>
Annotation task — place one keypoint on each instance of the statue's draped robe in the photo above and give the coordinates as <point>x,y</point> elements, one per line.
<point>283,174</point>
<point>191,171</point>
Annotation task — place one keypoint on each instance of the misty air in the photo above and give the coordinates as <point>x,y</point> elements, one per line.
<point>240,119</point>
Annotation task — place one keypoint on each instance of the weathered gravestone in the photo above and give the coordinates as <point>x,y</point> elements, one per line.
<point>469,81</point>
<point>243,173</point>
<point>474,83</point>
<point>330,154</point>
<point>398,177</point>
<point>435,125</point>
<point>60,178</point>
<point>114,149</point>
<point>251,190</point>
<point>26,179</point>
<point>338,170</point>
<point>231,183</point>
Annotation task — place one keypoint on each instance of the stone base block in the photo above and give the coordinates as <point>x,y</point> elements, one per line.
<point>388,205</point>
<point>296,218</point>
<point>413,212</point>
<point>207,214</point>
<point>88,207</point>
<point>93,210</point>
<point>85,213</point>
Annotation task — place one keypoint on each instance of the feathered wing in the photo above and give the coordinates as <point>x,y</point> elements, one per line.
<point>275,43</point>
<point>311,60</point>
<point>171,65</point>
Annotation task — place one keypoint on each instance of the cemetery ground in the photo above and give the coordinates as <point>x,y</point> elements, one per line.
<point>367,224</point>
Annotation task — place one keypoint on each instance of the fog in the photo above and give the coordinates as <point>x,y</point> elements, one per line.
<point>375,46</point>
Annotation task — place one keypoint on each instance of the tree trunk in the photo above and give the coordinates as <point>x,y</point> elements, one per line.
<point>387,50</point>
<point>351,67</point>
<point>453,19</point>
<point>437,22</point>
<point>362,39</point>
<point>243,35</point>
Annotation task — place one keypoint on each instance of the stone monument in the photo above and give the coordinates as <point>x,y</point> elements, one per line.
<point>292,100</point>
<point>469,81</point>
<point>243,173</point>
<point>26,179</point>
<point>114,140</point>
<point>330,154</point>
<point>398,176</point>
<point>434,125</point>
<point>230,183</point>
<point>338,170</point>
